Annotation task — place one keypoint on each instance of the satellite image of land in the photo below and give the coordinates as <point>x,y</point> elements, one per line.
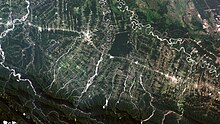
<point>110,61</point>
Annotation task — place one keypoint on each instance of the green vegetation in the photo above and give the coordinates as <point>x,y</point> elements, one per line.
<point>162,15</point>
<point>196,25</point>
<point>167,16</point>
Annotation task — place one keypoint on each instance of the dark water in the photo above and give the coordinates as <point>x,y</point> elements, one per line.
<point>213,4</point>
<point>121,47</point>
<point>203,5</point>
